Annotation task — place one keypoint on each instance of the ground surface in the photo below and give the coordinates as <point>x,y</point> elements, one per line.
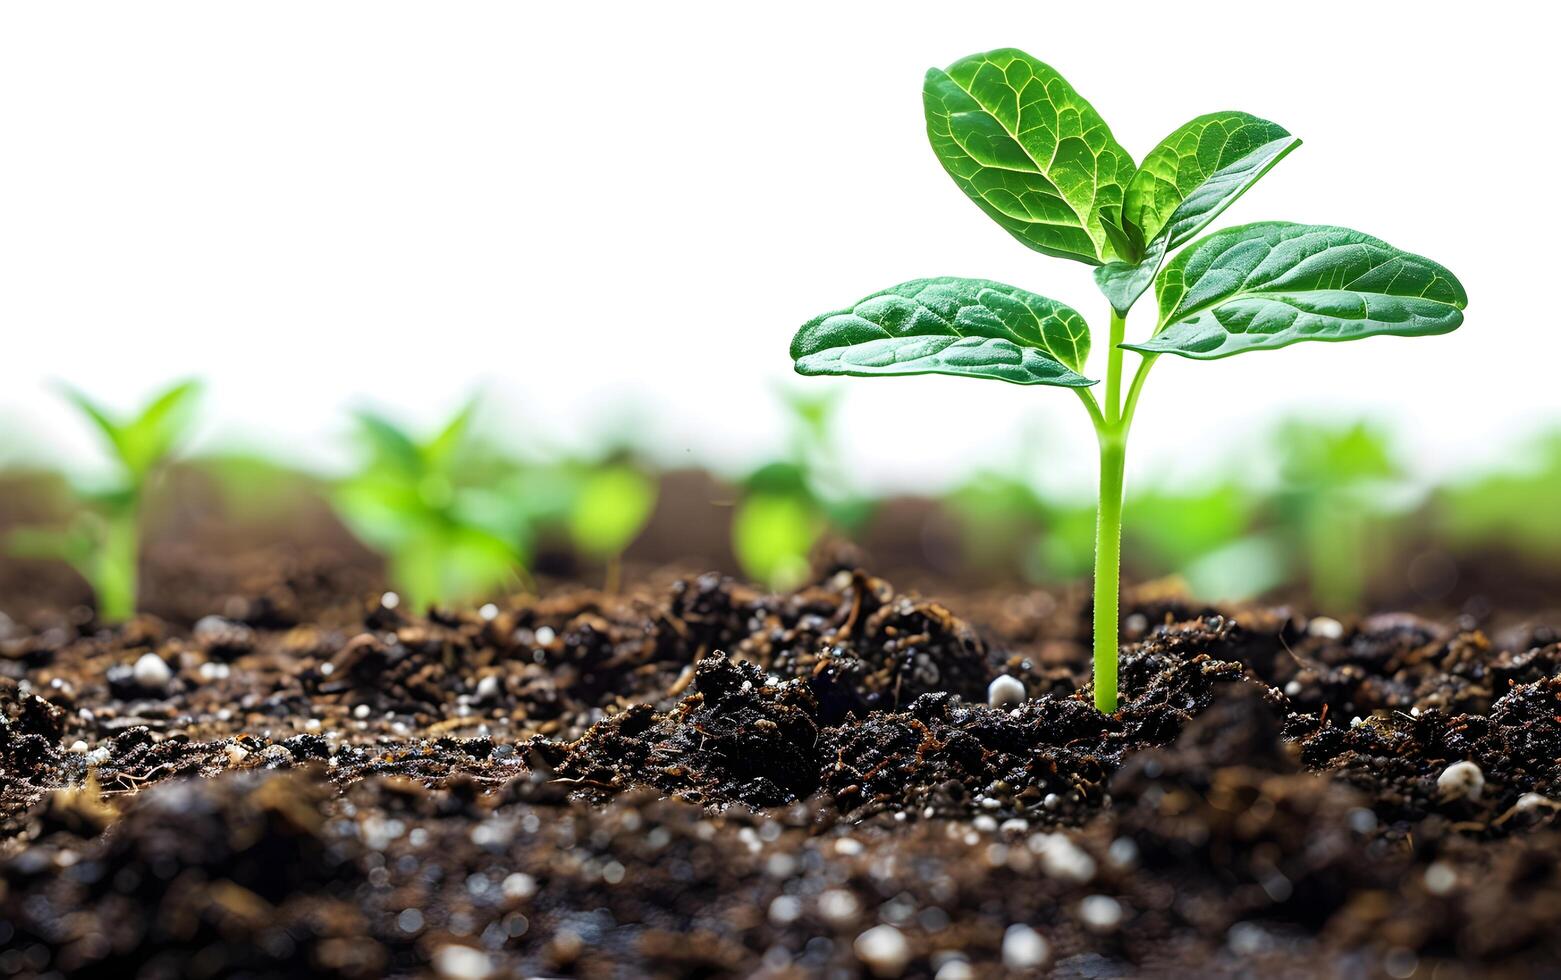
<point>698,779</point>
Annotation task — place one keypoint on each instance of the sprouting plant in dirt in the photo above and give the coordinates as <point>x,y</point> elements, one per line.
<point>103,541</point>
<point>430,508</point>
<point>1042,163</point>
<point>788,504</point>
<point>1337,494</point>
<point>610,506</point>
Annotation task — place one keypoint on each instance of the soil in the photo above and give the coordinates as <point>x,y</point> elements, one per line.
<point>696,778</point>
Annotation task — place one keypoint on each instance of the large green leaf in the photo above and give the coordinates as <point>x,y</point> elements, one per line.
<point>1029,151</point>
<point>1185,183</point>
<point>1272,284</point>
<point>1200,170</point>
<point>963,327</point>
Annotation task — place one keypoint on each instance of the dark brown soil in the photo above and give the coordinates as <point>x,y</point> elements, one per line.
<point>699,779</point>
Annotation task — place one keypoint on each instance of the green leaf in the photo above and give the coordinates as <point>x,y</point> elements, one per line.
<point>1185,183</point>
<point>390,444</point>
<point>1029,151</point>
<point>1272,284</point>
<point>1199,171</point>
<point>963,327</point>
<point>772,535</point>
<point>151,436</point>
<point>96,414</point>
<point>68,544</point>
<point>611,510</point>
<point>1123,282</point>
<point>442,448</point>
<point>147,440</point>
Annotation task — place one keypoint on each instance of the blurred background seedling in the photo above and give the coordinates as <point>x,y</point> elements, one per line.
<point>432,506</point>
<point>102,540</point>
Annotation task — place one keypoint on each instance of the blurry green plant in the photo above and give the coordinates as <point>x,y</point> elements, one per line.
<point>1335,505</point>
<point>1203,535</point>
<point>103,540</point>
<point>1038,159</point>
<point>610,507</point>
<point>788,505</point>
<point>429,506</point>
<point>1519,508</point>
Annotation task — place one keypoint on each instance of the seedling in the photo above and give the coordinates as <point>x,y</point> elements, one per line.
<point>789,504</point>
<point>1041,162</point>
<point>422,504</point>
<point>103,542</point>
<point>1339,489</point>
<point>611,505</point>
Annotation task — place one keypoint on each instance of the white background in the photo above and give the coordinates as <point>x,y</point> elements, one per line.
<point>614,216</point>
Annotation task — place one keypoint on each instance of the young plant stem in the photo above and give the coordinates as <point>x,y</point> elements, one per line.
<point>1108,568</point>
<point>1111,428</point>
<point>115,581</point>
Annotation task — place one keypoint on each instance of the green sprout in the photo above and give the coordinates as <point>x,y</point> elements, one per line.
<point>611,506</point>
<point>1041,162</point>
<point>789,504</point>
<point>426,505</point>
<point>103,541</point>
<point>1338,483</point>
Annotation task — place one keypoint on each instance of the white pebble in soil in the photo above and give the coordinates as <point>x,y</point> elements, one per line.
<point>1440,878</point>
<point>1024,948</point>
<point>488,689</point>
<point>1325,628</point>
<point>462,963</point>
<point>488,612</point>
<point>519,885</point>
<point>884,950</point>
<point>1061,858</point>
<point>152,673</point>
<point>837,905</point>
<point>391,600</point>
<point>1005,691</point>
<point>1461,780</point>
<point>1101,913</point>
<point>955,969</point>
<point>785,909</point>
<point>1533,801</point>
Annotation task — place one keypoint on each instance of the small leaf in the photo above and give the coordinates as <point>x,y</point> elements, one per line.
<point>772,535</point>
<point>962,327</point>
<point>1185,183</point>
<point>148,439</point>
<point>611,510</point>
<point>1123,282</point>
<point>1272,284</point>
<point>442,448</point>
<point>390,444</point>
<point>1029,151</point>
<point>67,544</point>
<point>1200,170</point>
<point>96,414</point>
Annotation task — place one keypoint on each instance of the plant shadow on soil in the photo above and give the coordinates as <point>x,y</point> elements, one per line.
<point>695,778</point>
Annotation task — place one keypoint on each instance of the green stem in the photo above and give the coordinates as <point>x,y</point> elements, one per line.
<point>115,581</point>
<point>1114,368</point>
<point>1111,428</point>
<point>1108,567</point>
